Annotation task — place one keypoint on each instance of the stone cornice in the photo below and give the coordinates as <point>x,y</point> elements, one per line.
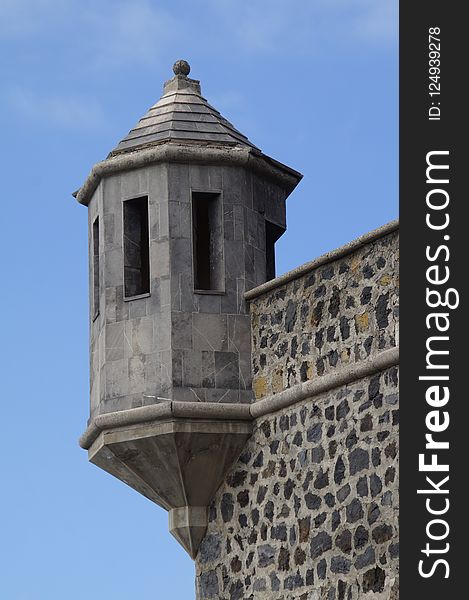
<point>192,154</point>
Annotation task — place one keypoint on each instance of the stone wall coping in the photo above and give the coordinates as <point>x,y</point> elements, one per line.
<point>331,256</point>
<point>240,412</point>
<point>192,154</point>
<point>314,387</point>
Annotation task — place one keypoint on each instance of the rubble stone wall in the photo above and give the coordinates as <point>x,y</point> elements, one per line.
<point>338,313</point>
<point>310,509</point>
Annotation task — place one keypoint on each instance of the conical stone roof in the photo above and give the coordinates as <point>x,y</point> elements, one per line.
<point>181,114</point>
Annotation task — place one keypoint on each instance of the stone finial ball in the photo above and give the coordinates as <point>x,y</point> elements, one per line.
<point>181,67</point>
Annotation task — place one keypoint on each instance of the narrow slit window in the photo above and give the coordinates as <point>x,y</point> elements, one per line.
<point>136,248</point>
<point>207,238</point>
<point>96,290</point>
<point>272,233</point>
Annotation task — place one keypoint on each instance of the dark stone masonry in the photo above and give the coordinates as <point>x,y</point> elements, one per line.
<point>310,509</point>
<point>338,314</point>
<point>290,527</point>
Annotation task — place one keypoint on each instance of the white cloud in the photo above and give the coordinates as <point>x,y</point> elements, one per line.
<point>128,32</point>
<point>18,18</point>
<point>274,26</point>
<point>377,21</point>
<point>107,34</point>
<point>64,112</point>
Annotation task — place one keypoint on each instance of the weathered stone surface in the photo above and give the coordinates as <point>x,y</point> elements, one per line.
<point>361,536</point>
<point>320,543</point>
<point>339,564</point>
<point>354,511</point>
<point>266,554</point>
<point>227,507</point>
<point>339,471</point>
<point>373,580</point>
<point>365,559</point>
<point>208,585</point>
<point>323,472</point>
<point>382,533</point>
<point>300,528</point>
<point>358,459</point>
<point>334,320</point>
<point>344,541</point>
<point>210,548</point>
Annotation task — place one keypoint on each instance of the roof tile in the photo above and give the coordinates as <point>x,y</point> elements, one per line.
<point>182,113</point>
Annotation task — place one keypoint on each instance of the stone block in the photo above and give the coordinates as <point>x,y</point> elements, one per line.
<point>164,373</point>
<point>245,371</point>
<point>234,258</point>
<point>111,190</point>
<point>189,394</point>
<point>229,300</point>
<point>181,330</point>
<point>159,259</point>
<point>239,333</point>
<point>152,367</point>
<point>137,308</point>
<point>249,262</point>
<point>235,186</point>
<point>143,340</point>
<point>137,382</point>
<point>228,222</point>
<point>162,330</point>
<point>158,183</point>
<point>111,232</point>
<point>176,293</point>
<point>222,395</point>
<point>208,303</point>
<point>113,268</point>
<point>259,266</point>
<point>177,367</point>
<point>241,287</point>
<point>191,368</point>
<point>210,332</point>
<point>246,396</point>
<point>227,370</point>
<point>181,257</point>
<point>180,220</point>
<point>163,221</point>
<point>134,184</point>
<point>116,378</point>
<point>199,179</point>
<point>207,368</point>
<point>179,185</point>
<point>116,344</point>
<point>238,222</point>
<point>186,289</point>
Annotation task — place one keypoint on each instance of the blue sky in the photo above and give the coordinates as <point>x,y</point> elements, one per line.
<point>312,83</point>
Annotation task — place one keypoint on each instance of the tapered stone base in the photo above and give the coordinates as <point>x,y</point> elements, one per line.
<point>177,463</point>
<point>188,525</point>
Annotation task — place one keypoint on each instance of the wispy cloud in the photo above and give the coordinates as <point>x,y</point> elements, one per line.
<point>111,34</point>
<point>274,25</point>
<point>64,112</point>
<point>20,18</point>
<point>377,21</point>
<point>108,34</point>
<point>128,32</point>
<point>89,41</point>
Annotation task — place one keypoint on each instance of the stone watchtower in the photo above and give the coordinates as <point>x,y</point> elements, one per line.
<point>183,217</point>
